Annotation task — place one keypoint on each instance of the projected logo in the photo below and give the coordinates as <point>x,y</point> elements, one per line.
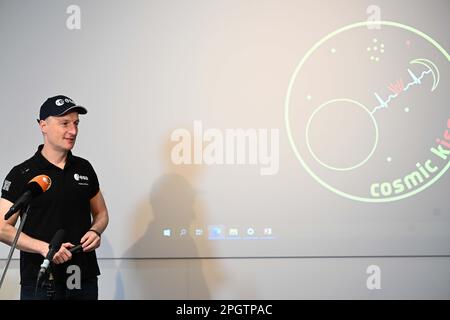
<point>368,111</point>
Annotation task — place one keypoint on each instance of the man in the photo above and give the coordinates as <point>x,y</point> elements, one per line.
<point>73,202</point>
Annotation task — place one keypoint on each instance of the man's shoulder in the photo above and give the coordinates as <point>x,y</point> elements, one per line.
<point>24,167</point>
<point>81,161</point>
<point>17,177</point>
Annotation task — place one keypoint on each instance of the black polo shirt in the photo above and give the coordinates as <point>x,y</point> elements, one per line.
<point>65,205</point>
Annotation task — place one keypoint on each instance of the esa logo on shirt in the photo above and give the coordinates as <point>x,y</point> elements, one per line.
<point>77,177</point>
<point>80,179</point>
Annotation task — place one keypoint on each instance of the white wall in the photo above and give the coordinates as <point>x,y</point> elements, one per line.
<point>294,278</point>
<point>146,68</point>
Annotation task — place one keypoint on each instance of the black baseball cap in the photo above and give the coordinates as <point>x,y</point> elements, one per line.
<point>58,106</point>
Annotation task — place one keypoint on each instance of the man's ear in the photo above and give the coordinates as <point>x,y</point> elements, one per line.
<point>43,126</point>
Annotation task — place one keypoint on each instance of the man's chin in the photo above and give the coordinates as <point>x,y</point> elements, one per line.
<point>69,146</point>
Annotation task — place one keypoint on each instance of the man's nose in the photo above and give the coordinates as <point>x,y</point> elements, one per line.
<point>73,130</point>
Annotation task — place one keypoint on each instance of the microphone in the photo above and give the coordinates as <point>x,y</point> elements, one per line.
<point>35,187</point>
<point>53,247</point>
<point>76,249</point>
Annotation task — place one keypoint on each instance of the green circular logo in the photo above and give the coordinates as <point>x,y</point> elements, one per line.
<point>365,114</point>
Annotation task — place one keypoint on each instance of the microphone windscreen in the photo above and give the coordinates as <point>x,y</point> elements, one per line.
<point>43,181</point>
<point>57,239</point>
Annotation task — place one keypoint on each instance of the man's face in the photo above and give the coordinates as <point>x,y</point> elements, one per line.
<point>61,132</point>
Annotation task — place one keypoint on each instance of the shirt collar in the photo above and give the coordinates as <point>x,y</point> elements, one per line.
<point>45,164</point>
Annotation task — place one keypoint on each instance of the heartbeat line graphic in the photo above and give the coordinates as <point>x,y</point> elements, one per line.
<point>398,88</point>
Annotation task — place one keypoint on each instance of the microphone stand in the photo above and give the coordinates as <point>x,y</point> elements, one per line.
<point>23,218</point>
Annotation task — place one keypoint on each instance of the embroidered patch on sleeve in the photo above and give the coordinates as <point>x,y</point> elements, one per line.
<point>6,185</point>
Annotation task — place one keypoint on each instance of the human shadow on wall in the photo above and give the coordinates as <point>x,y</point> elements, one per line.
<point>169,235</point>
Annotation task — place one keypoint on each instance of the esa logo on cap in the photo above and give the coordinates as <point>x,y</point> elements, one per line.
<point>60,102</point>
